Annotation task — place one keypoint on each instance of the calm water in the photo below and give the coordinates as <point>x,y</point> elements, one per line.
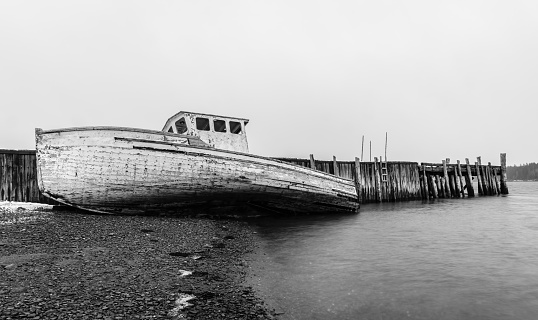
<point>449,259</point>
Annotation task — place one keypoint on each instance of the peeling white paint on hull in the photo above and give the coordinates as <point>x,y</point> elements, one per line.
<point>125,170</point>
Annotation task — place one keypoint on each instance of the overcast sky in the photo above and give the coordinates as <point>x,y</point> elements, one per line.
<point>445,79</point>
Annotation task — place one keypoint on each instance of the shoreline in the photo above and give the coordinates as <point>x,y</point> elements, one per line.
<point>71,265</point>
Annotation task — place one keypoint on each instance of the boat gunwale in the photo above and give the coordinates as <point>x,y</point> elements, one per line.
<point>127,129</point>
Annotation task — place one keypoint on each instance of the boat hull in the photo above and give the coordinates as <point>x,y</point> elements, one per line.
<point>134,171</point>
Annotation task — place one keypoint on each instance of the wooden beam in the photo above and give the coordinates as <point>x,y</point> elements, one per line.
<point>504,186</point>
<point>434,186</point>
<point>312,162</point>
<point>469,179</point>
<point>425,181</point>
<point>479,179</point>
<point>377,179</point>
<point>358,178</point>
<point>459,179</point>
<point>335,167</point>
<point>483,176</point>
<point>445,175</point>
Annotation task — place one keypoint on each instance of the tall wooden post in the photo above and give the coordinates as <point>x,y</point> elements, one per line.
<point>335,167</point>
<point>497,184</point>
<point>469,179</point>
<point>492,184</point>
<point>434,186</point>
<point>479,179</point>
<point>425,179</point>
<point>377,179</point>
<point>358,178</point>
<point>504,187</point>
<point>445,173</point>
<point>312,162</point>
<point>485,189</point>
<point>442,190</point>
<point>450,179</point>
<point>460,178</point>
<point>457,187</point>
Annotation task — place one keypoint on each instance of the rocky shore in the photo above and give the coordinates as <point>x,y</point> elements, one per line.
<point>71,265</point>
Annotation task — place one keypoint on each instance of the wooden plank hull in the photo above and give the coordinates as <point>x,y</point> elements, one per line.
<point>134,171</point>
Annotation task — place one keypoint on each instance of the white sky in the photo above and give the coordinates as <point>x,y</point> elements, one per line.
<point>450,79</point>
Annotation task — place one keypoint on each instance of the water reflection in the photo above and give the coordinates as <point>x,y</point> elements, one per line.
<point>446,259</point>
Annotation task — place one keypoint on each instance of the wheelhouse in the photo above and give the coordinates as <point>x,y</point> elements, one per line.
<point>217,131</point>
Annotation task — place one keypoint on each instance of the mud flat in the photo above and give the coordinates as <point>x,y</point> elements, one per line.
<point>70,265</point>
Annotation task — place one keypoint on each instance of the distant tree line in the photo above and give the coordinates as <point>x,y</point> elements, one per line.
<point>527,171</point>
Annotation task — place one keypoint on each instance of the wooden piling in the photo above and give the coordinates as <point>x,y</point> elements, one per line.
<point>497,183</point>
<point>312,162</point>
<point>446,181</point>
<point>425,180</point>
<point>358,178</point>
<point>452,186</point>
<point>492,184</point>
<point>434,187</point>
<point>335,167</point>
<point>377,180</point>
<point>457,186</point>
<point>469,179</point>
<point>478,179</point>
<point>483,177</point>
<point>504,187</point>
<point>460,179</point>
<point>442,190</point>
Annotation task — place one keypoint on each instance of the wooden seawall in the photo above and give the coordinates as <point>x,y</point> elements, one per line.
<point>378,181</point>
<point>384,181</point>
<point>18,174</point>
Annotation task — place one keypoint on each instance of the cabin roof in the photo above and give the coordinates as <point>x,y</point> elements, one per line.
<point>208,115</point>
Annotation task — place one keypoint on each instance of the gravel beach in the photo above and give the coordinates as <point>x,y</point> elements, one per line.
<point>71,265</point>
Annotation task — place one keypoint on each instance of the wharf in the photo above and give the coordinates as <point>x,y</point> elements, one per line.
<point>377,181</point>
<point>385,181</point>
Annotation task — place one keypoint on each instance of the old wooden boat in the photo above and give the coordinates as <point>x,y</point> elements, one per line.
<point>196,161</point>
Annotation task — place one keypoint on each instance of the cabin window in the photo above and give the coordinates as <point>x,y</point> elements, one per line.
<point>219,125</point>
<point>235,127</point>
<point>202,124</point>
<point>181,126</point>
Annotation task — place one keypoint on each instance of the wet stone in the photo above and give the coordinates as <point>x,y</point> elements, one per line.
<point>82,266</point>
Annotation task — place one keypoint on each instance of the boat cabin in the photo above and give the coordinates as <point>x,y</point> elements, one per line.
<point>217,131</point>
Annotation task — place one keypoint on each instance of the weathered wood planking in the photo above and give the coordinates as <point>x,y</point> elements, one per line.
<point>18,176</point>
<point>410,180</point>
<point>405,180</point>
<point>122,171</point>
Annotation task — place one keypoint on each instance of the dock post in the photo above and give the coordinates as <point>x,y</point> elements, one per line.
<point>358,178</point>
<point>312,162</point>
<point>489,185</point>
<point>469,179</point>
<point>492,180</point>
<point>434,186</point>
<point>497,184</point>
<point>425,181</point>
<point>442,190</point>
<point>457,188</point>
<point>335,167</point>
<point>445,173</point>
<point>377,180</point>
<point>479,179</point>
<point>460,179</point>
<point>483,176</point>
<point>504,187</point>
